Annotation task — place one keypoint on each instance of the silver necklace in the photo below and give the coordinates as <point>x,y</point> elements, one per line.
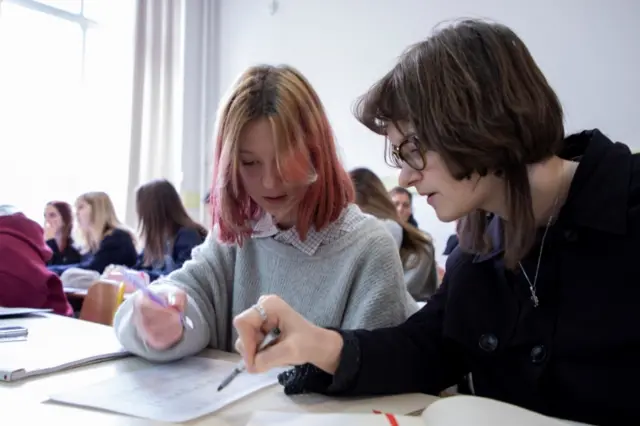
<point>532,285</point>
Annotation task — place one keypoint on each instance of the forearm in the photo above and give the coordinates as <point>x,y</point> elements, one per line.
<point>193,340</point>
<point>409,358</point>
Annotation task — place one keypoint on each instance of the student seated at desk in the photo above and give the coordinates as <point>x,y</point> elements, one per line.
<point>168,233</point>
<point>540,305</point>
<point>107,240</point>
<point>25,281</point>
<point>416,249</point>
<point>284,223</point>
<point>58,225</point>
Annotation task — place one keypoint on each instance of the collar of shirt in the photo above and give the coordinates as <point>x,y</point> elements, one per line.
<point>266,227</point>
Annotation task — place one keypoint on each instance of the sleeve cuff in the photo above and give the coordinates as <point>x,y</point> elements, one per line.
<point>309,378</point>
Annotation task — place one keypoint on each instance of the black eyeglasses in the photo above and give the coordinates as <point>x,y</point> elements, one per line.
<point>408,152</point>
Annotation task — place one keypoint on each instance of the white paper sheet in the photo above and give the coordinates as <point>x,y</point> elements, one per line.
<point>174,392</point>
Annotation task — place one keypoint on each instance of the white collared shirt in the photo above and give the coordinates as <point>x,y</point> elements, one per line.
<point>265,227</point>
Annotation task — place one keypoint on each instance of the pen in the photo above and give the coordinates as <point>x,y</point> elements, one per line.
<point>134,279</point>
<point>269,339</point>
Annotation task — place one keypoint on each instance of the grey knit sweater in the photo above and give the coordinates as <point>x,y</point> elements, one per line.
<point>355,281</point>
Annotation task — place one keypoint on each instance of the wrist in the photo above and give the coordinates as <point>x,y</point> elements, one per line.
<point>326,349</point>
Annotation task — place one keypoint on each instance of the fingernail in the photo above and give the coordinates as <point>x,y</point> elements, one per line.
<point>171,298</point>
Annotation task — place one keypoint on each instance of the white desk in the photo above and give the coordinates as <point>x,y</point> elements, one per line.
<point>24,402</point>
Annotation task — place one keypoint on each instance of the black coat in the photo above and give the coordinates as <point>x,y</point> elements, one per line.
<point>576,356</point>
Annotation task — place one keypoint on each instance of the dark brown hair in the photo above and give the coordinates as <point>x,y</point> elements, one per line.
<point>66,214</point>
<point>474,94</point>
<point>373,198</point>
<point>161,215</point>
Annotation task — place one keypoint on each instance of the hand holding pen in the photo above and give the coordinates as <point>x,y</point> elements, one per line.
<point>158,316</point>
<point>299,341</point>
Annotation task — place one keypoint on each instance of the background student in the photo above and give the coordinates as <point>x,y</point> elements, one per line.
<point>416,248</point>
<point>107,240</point>
<point>58,227</point>
<point>168,233</point>
<point>284,224</point>
<point>403,201</point>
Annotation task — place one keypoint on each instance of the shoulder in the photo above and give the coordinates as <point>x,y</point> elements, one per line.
<point>118,236</point>
<point>212,246</point>
<point>460,265</point>
<point>374,233</point>
<point>189,235</point>
<point>395,229</point>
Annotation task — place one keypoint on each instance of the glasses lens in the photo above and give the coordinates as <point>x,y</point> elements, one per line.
<point>412,155</point>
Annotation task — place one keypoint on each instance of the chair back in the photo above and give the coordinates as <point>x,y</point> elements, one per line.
<point>101,302</point>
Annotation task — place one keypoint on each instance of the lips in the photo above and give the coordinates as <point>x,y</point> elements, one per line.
<point>276,199</point>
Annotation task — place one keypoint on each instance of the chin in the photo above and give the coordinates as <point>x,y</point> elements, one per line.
<point>447,217</point>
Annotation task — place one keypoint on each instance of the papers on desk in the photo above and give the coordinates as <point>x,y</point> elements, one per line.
<point>15,312</point>
<point>51,348</point>
<point>174,392</point>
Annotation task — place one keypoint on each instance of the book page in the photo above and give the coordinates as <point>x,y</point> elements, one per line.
<point>475,411</point>
<point>274,418</point>
<point>175,392</point>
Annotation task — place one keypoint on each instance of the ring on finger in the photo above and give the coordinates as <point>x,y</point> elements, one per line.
<point>263,314</point>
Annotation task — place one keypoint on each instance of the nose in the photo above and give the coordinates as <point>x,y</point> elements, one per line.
<point>409,177</point>
<point>270,177</point>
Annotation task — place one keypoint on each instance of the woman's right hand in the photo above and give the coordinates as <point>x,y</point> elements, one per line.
<point>49,231</point>
<point>300,341</point>
<point>160,327</point>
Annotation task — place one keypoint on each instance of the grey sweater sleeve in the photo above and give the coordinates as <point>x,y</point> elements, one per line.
<point>206,279</point>
<point>378,297</point>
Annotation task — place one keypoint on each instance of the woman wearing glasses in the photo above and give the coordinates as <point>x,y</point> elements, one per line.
<point>541,303</point>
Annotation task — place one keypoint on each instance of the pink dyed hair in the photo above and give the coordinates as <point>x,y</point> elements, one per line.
<point>305,152</point>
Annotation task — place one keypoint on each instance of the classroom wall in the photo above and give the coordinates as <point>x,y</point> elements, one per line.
<point>587,48</point>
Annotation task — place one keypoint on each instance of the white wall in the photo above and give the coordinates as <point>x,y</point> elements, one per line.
<point>588,49</point>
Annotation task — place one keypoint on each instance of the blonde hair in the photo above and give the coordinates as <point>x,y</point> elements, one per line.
<point>103,220</point>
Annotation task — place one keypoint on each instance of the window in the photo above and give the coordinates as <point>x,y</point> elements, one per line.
<point>66,70</point>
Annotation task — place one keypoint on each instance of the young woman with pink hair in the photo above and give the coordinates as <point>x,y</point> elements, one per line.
<point>284,222</point>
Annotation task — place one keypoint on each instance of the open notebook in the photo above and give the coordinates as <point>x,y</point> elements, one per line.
<point>50,348</point>
<point>451,411</point>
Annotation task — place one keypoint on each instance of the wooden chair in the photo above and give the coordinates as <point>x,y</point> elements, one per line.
<point>101,302</point>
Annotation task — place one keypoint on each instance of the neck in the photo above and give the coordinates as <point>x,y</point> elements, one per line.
<point>549,182</point>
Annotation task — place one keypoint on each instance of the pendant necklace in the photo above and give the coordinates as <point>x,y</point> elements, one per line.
<point>532,285</point>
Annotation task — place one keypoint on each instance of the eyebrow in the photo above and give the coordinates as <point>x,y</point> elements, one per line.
<point>244,151</point>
